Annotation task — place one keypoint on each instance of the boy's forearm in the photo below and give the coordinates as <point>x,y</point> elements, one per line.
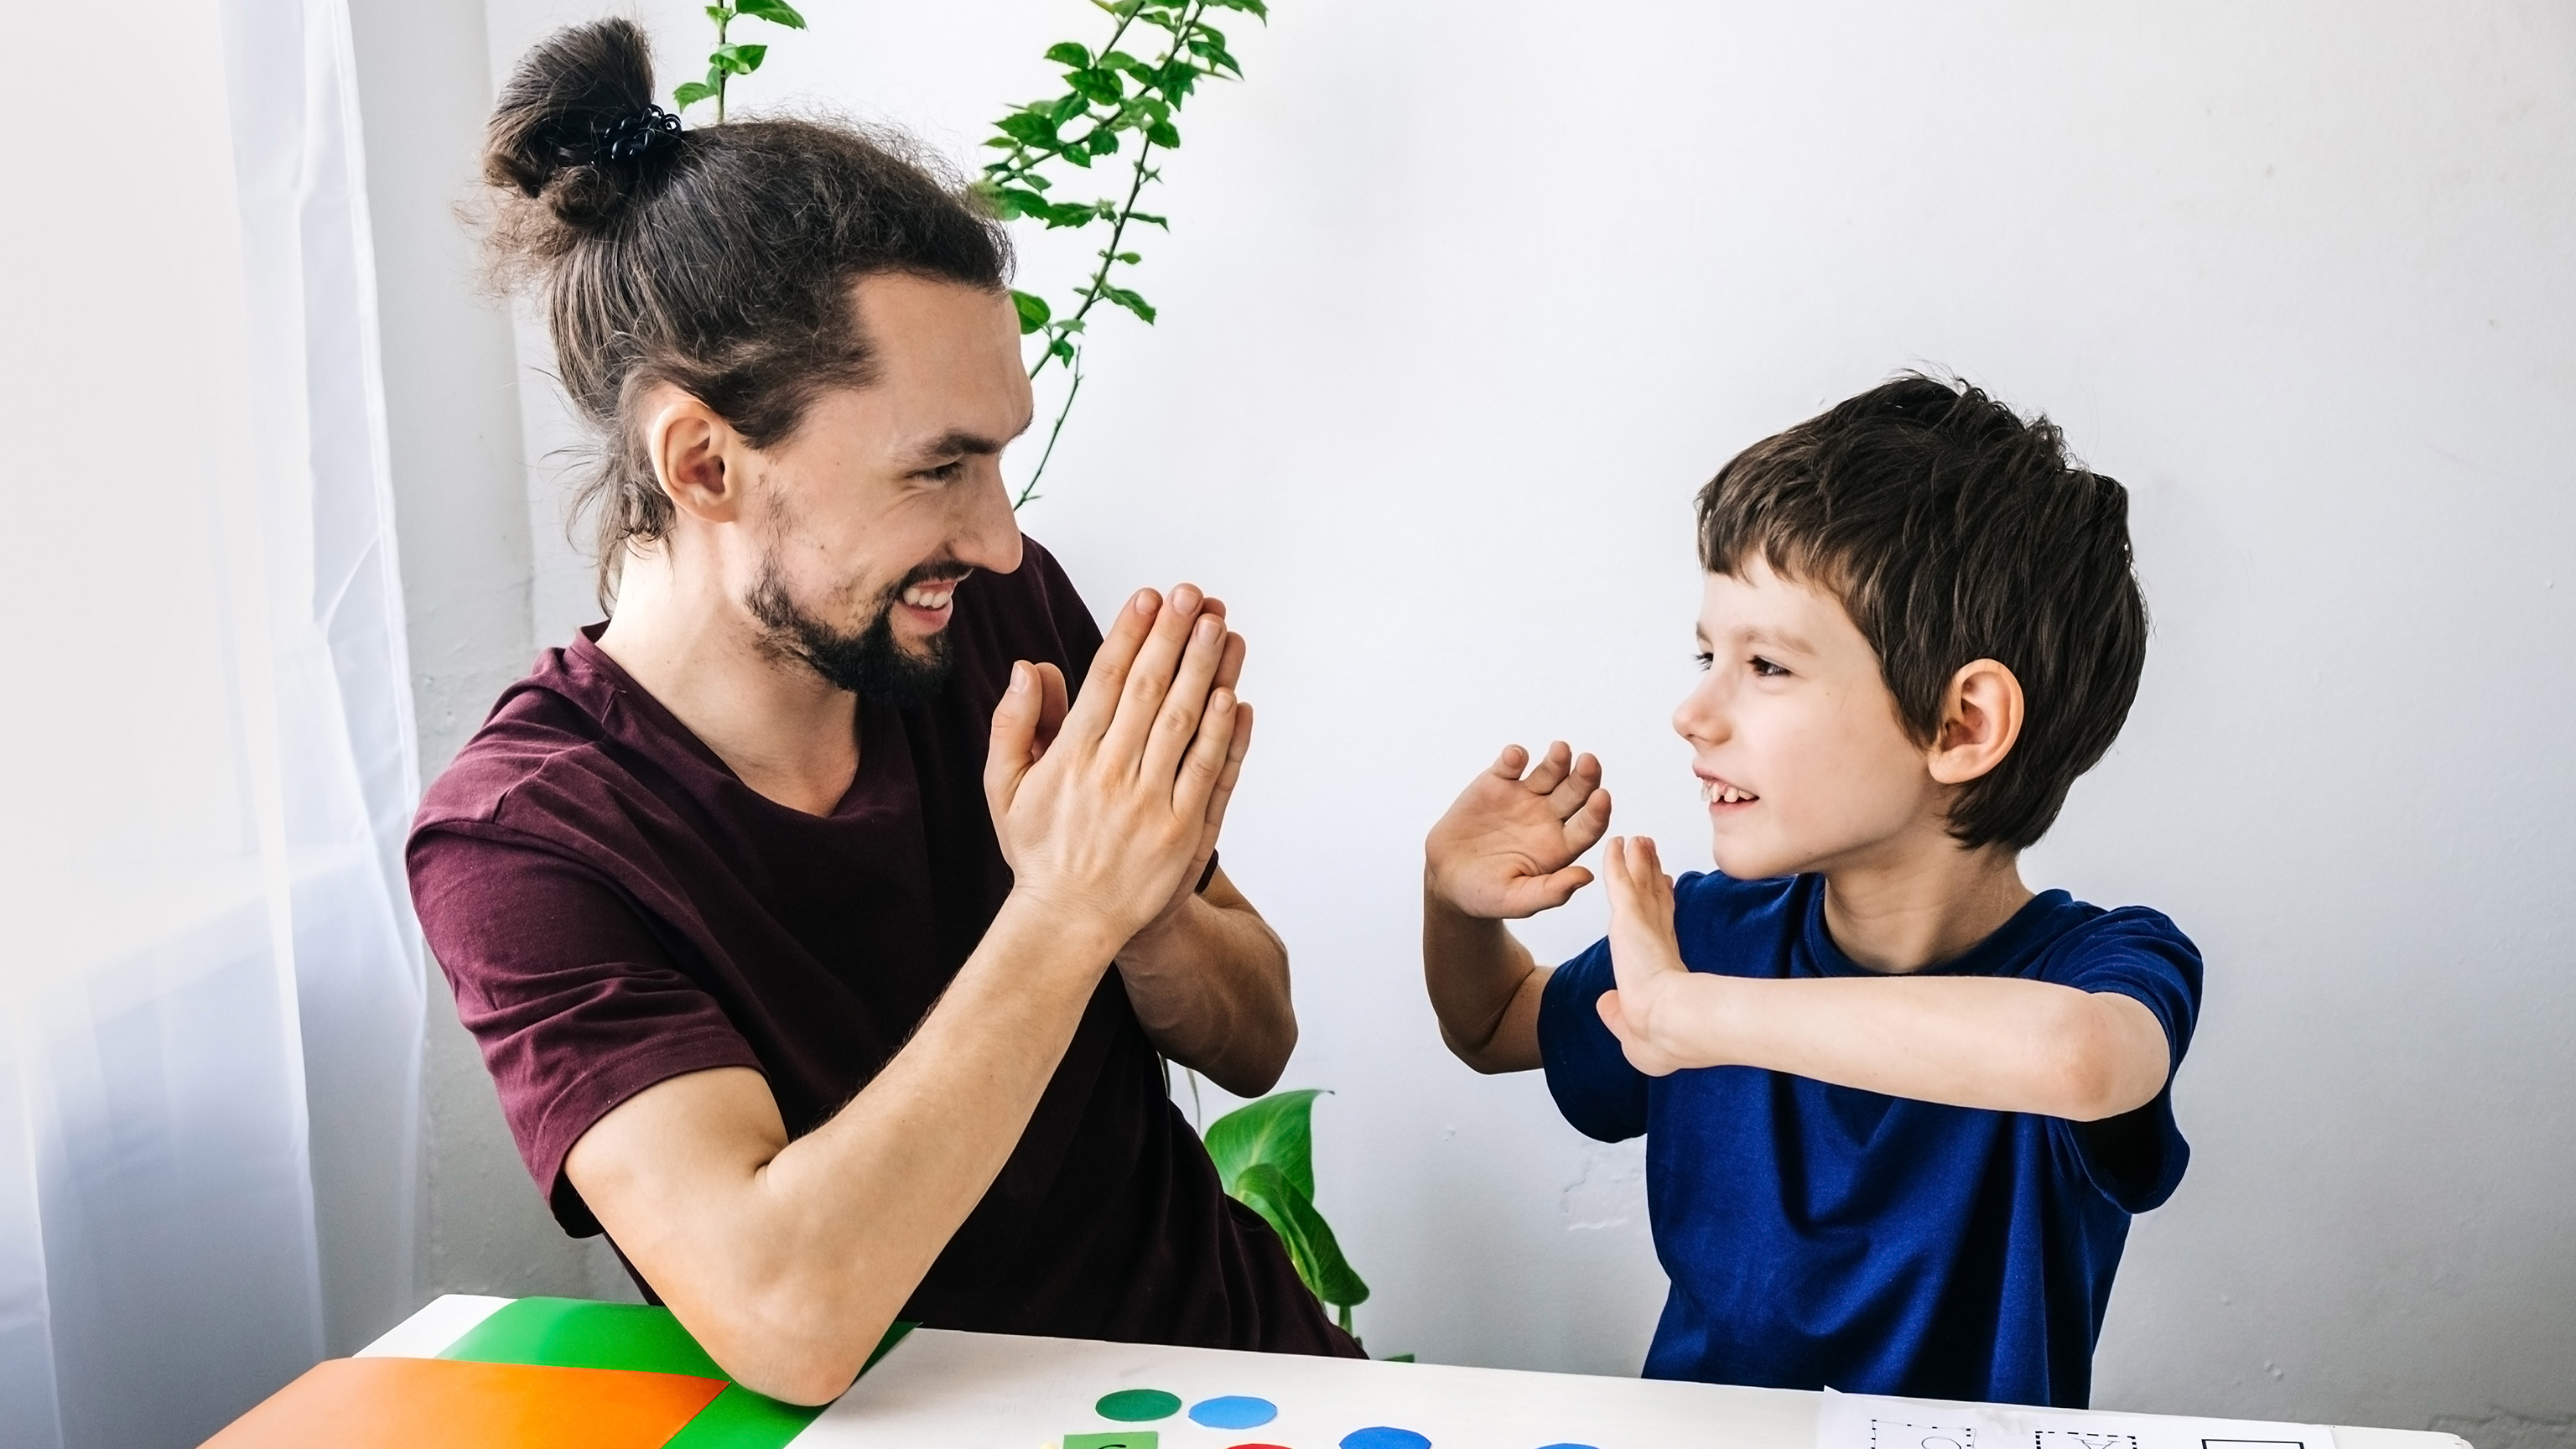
<point>1484,987</point>
<point>2003,1044</point>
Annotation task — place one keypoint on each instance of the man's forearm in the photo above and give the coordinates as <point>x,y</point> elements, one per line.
<point>1484,987</point>
<point>789,1260</point>
<point>2003,1044</point>
<point>1210,986</point>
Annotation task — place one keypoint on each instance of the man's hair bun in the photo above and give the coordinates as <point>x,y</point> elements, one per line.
<point>576,133</point>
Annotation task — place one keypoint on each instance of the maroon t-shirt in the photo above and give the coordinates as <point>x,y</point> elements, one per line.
<point>615,907</point>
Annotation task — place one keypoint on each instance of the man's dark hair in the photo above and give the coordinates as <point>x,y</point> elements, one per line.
<point>1953,531</point>
<point>717,259</point>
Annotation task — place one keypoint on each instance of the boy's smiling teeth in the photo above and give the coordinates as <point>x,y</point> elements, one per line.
<point>1718,792</point>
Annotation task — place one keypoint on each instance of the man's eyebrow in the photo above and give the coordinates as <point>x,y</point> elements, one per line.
<point>953,444</point>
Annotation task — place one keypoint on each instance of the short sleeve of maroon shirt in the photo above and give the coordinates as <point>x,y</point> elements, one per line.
<point>615,908</point>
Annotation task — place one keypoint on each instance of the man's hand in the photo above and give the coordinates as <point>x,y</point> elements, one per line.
<point>1645,959</point>
<point>1105,810</point>
<point>1506,849</point>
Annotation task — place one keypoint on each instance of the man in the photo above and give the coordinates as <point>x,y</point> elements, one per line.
<point>825,951</point>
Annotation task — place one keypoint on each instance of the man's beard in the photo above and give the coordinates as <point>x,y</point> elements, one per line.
<point>866,661</point>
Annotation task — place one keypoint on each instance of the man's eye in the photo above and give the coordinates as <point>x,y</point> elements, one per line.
<point>1765,669</point>
<point>945,472</point>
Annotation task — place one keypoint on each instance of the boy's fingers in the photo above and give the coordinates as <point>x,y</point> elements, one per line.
<point>1106,683</point>
<point>1576,788</point>
<point>1560,886</point>
<point>1509,764</point>
<point>1611,1014</point>
<point>1586,826</point>
<point>1551,771</point>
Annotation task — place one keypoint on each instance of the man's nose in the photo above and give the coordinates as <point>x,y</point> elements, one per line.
<point>988,536</point>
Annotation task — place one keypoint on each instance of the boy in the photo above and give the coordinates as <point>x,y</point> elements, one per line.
<point>1898,1109</point>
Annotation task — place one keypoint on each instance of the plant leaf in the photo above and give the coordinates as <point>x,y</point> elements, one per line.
<point>1098,85</point>
<point>1033,309</point>
<point>1312,1248</point>
<point>1279,1130</point>
<point>1031,128</point>
<point>776,12</point>
<point>1068,53</point>
<point>1101,142</point>
<point>1165,135</point>
<point>738,59</point>
<point>692,92</point>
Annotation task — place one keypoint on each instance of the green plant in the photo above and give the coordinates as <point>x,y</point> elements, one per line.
<point>1111,97</point>
<point>730,60</point>
<point>1265,1156</point>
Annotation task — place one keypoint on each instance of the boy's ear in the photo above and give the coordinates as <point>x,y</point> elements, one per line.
<point>693,450</point>
<point>1980,718</point>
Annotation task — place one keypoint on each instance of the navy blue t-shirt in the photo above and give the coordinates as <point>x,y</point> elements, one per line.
<point>1822,1236</point>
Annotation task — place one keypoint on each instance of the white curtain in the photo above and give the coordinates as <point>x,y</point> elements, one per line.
<point>210,984</point>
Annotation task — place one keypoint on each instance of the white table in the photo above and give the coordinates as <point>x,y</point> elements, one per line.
<point>996,1391</point>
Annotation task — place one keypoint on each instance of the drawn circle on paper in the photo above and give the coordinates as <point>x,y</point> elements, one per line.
<point>1384,1437</point>
<point>1565,1446</point>
<point>1233,1411</point>
<point>1137,1406</point>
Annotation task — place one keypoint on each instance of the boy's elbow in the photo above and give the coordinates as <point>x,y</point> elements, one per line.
<point>2102,1072</point>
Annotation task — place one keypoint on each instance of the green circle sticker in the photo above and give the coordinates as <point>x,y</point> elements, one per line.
<point>1135,1406</point>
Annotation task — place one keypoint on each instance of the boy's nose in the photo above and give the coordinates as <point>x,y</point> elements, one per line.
<point>1701,716</point>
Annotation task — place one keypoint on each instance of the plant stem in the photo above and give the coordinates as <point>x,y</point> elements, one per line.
<point>724,16</point>
<point>1118,227</point>
<point>1029,494</point>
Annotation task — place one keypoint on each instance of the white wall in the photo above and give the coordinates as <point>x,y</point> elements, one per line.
<point>460,485</point>
<point>1465,298</point>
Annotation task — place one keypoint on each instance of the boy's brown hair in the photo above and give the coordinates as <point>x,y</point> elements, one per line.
<point>1952,530</point>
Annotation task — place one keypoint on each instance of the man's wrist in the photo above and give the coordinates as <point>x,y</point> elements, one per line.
<point>1077,932</point>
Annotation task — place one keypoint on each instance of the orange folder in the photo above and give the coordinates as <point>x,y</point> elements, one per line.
<point>434,1403</point>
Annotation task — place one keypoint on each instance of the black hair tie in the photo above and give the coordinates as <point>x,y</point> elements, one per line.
<point>622,140</point>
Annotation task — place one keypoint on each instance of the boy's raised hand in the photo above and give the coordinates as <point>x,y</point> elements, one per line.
<point>1645,958</point>
<point>1506,849</point>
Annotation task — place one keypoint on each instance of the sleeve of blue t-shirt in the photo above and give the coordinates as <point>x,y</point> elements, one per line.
<point>2137,1158</point>
<point>1594,1086</point>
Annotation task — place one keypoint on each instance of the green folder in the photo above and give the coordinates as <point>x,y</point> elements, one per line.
<point>572,1333</point>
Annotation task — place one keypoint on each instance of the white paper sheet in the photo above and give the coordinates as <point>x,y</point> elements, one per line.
<point>1866,1421</point>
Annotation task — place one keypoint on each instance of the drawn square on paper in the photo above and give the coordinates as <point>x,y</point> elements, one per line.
<point>2080,1439</point>
<point>1905,1434</point>
<point>2253,1444</point>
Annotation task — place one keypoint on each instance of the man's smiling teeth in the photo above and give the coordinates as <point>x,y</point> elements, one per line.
<point>928,596</point>
<point>1719,793</point>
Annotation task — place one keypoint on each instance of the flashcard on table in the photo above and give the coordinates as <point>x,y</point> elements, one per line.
<point>574,1333</point>
<point>430,1403</point>
<point>1866,1421</point>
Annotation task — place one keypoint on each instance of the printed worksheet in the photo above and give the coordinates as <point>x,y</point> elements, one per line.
<point>1866,1421</point>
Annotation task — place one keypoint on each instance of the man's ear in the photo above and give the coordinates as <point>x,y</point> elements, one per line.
<point>1980,718</point>
<point>696,455</point>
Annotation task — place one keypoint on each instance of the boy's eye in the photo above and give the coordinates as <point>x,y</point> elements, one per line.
<point>1704,660</point>
<point>1765,669</point>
